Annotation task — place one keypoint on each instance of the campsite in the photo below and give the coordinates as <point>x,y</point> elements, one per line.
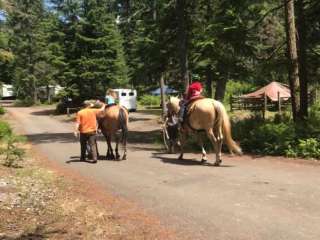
<point>159,119</point>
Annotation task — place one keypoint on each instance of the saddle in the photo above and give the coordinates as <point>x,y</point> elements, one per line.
<point>189,106</point>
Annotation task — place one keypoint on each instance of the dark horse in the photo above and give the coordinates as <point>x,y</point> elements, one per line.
<point>111,120</point>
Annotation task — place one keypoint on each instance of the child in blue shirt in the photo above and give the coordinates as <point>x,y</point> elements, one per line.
<point>110,97</point>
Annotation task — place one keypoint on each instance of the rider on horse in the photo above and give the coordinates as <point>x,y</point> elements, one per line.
<point>110,98</point>
<point>194,92</point>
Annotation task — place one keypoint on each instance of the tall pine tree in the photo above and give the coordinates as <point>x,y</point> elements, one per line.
<point>24,19</point>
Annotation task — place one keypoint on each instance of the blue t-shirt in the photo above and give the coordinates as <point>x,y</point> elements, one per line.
<point>109,100</point>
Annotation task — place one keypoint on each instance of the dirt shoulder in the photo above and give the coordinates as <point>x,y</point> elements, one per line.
<point>41,200</point>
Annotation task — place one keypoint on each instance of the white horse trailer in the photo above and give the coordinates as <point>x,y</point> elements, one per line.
<point>7,91</point>
<point>127,98</point>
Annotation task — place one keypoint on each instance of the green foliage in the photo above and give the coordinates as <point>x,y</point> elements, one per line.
<point>9,146</point>
<point>236,88</point>
<point>2,110</point>
<point>12,153</point>
<point>307,148</point>
<point>280,136</point>
<point>5,130</point>
<point>149,100</point>
<point>24,19</point>
<point>24,102</point>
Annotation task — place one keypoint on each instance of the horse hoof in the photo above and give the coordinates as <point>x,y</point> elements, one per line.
<point>180,157</point>
<point>217,163</point>
<point>118,157</point>
<point>124,158</point>
<point>203,161</point>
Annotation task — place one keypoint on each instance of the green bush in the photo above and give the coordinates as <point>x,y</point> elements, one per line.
<point>307,148</point>
<point>27,102</point>
<point>8,147</point>
<point>262,137</point>
<point>150,100</point>
<point>2,110</point>
<point>5,130</point>
<point>237,88</point>
<point>11,152</point>
<point>279,136</point>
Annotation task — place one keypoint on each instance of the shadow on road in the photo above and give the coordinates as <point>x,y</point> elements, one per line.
<point>187,162</point>
<point>134,137</point>
<point>46,112</point>
<point>51,137</point>
<point>150,137</point>
<point>134,119</point>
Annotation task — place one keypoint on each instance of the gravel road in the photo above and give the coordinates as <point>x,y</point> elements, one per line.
<point>248,197</point>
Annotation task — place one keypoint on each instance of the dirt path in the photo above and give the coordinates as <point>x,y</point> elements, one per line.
<point>246,198</point>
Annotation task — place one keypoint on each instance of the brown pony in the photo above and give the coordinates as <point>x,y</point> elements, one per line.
<point>111,120</point>
<point>210,116</point>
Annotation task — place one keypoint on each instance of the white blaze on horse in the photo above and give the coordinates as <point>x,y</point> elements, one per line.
<point>210,116</point>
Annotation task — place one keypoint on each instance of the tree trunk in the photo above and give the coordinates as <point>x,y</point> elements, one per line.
<point>220,88</point>
<point>182,41</point>
<point>48,94</point>
<point>209,79</point>
<point>163,106</point>
<point>303,72</point>
<point>154,10</point>
<point>293,64</point>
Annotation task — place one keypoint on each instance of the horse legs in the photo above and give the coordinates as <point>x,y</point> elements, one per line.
<point>204,154</point>
<point>110,155</point>
<point>182,142</point>
<point>117,144</point>
<point>217,144</point>
<point>124,157</point>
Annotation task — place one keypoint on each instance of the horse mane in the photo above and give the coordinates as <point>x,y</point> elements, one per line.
<point>173,104</point>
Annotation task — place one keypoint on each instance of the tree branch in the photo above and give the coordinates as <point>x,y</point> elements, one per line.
<point>273,53</point>
<point>266,14</point>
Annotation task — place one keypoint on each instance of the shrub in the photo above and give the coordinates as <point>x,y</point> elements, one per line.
<point>264,137</point>
<point>27,102</point>
<point>236,88</point>
<point>307,148</point>
<point>12,153</point>
<point>150,100</point>
<point>280,136</point>
<point>9,149</point>
<point>5,130</point>
<point>2,110</point>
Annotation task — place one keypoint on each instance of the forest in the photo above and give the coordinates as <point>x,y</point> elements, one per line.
<point>232,46</point>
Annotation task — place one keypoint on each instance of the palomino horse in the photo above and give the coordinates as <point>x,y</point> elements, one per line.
<point>210,116</point>
<point>111,120</point>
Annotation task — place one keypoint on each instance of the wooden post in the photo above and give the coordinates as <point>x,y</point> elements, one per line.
<point>68,111</point>
<point>162,96</point>
<point>279,103</point>
<point>265,105</point>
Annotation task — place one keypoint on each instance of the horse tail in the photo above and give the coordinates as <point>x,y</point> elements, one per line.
<point>223,118</point>
<point>123,121</point>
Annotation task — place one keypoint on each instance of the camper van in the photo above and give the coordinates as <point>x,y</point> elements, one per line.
<point>127,98</point>
<point>7,91</point>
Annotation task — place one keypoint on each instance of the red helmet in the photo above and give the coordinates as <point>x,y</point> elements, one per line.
<point>196,86</point>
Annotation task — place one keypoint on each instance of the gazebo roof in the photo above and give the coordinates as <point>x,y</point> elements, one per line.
<point>271,91</point>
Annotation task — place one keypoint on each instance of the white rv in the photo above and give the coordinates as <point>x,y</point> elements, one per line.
<point>7,91</point>
<point>127,98</point>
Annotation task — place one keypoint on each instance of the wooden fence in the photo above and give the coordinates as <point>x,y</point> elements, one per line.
<point>263,104</point>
